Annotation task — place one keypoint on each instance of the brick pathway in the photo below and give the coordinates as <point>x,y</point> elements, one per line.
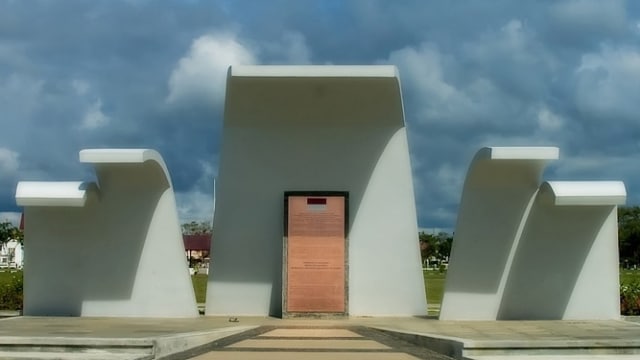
<point>348,343</point>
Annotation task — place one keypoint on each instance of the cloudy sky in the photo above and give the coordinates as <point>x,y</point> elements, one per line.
<point>82,74</point>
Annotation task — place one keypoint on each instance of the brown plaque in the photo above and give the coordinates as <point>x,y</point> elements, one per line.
<point>315,254</point>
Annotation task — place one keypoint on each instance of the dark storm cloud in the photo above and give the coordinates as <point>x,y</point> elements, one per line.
<point>80,74</point>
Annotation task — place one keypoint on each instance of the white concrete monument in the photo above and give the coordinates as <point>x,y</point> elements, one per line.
<point>315,128</point>
<point>107,249</point>
<point>499,190</point>
<point>529,251</point>
<point>566,265</point>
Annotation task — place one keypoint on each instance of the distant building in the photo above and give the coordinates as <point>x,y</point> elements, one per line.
<point>11,252</point>
<point>11,255</point>
<point>197,249</point>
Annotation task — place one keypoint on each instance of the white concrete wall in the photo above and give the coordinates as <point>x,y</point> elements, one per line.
<point>566,265</point>
<point>315,128</point>
<point>530,251</point>
<point>118,252</point>
<point>498,193</point>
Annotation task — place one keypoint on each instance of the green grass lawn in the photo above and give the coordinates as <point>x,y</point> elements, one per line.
<point>433,282</point>
<point>628,276</point>
<point>200,286</point>
<point>6,275</point>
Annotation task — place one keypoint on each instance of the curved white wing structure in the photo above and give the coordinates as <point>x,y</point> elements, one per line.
<point>109,250</point>
<point>305,128</point>
<point>566,265</point>
<point>498,191</point>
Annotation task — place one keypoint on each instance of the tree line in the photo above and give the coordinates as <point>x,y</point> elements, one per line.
<point>435,249</point>
<point>629,236</point>
<point>438,247</point>
<point>10,232</point>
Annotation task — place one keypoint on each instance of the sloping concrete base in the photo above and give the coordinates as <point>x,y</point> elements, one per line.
<point>134,338</point>
<point>109,338</point>
<point>482,340</point>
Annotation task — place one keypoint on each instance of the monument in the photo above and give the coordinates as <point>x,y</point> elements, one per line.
<point>527,250</point>
<point>111,248</point>
<point>316,217</point>
<point>315,128</point>
<point>499,188</point>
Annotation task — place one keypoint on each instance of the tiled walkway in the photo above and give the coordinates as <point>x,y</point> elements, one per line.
<point>316,343</point>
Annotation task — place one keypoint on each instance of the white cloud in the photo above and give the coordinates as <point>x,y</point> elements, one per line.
<point>94,117</point>
<point>296,49</point>
<point>12,217</point>
<point>8,162</point>
<point>608,84</point>
<point>512,42</point>
<point>450,178</point>
<point>81,87</point>
<point>201,74</point>
<point>548,120</point>
<point>598,167</point>
<point>292,48</point>
<point>20,95</point>
<point>590,15</point>
<point>441,95</point>
<point>422,71</point>
<point>194,205</point>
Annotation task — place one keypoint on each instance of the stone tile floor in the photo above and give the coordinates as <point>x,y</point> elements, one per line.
<point>348,343</point>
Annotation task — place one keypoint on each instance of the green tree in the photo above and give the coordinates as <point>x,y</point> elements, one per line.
<point>428,246</point>
<point>435,246</point>
<point>629,235</point>
<point>444,245</point>
<point>196,228</point>
<point>10,232</point>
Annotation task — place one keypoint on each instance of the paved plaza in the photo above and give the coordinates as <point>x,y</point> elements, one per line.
<point>317,343</point>
<point>264,337</point>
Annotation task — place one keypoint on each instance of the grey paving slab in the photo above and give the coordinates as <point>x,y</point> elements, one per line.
<point>87,327</point>
<point>278,355</point>
<point>309,344</point>
<point>23,355</point>
<point>314,333</point>
<point>171,335</point>
<point>556,357</point>
<point>518,331</point>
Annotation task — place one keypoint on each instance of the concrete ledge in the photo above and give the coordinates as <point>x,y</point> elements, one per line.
<point>114,156</point>
<point>122,156</point>
<point>313,71</point>
<point>519,153</point>
<point>590,193</point>
<point>54,193</point>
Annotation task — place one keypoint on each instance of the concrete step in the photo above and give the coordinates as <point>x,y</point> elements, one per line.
<point>555,357</point>
<point>74,344</point>
<point>90,350</point>
<point>38,355</point>
<point>547,347</point>
<point>535,349</point>
<point>57,347</point>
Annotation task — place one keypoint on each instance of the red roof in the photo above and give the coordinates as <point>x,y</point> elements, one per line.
<point>197,242</point>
